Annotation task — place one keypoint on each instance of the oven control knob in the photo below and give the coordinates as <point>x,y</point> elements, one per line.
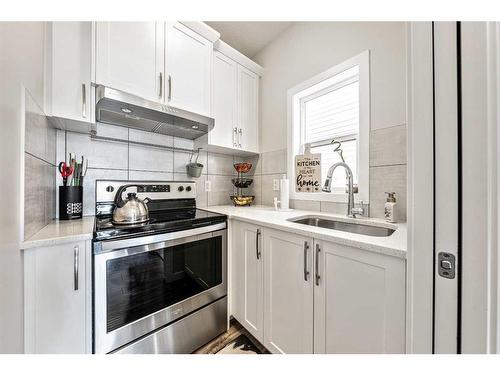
<point>188,188</point>
<point>180,188</point>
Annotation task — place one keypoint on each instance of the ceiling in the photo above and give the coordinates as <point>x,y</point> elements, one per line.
<point>249,37</point>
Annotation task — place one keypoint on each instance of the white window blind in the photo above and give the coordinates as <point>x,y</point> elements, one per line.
<point>332,112</point>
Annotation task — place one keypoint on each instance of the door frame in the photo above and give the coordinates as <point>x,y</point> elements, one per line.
<point>480,326</point>
<point>420,180</point>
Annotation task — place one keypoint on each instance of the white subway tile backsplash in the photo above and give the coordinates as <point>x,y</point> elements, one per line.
<point>111,131</point>
<point>150,176</point>
<point>100,154</point>
<point>150,158</point>
<point>305,205</point>
<point>388,178</point>
<point>221,190</point>
<point>388,146</point>
<point>152,138</point>
<point>219,164</point>
<point>274,162</point>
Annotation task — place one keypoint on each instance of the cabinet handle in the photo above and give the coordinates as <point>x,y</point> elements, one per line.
<point>257,243</point>
<point>318,250</point>
<point>240,133</point>
<point>160,94</point>
<point>169,87</point>
<point>76,256</point>
<point>84,100</point>
<point>235,135</point>
<point>306,272</point>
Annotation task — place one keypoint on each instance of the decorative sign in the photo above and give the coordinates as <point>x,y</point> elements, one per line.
<point>308,173</point>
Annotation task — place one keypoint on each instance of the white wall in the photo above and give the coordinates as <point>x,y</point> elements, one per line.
<point>308,48</point>
<point>21,63</point>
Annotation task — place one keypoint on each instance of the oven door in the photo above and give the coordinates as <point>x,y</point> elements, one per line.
<point>139,289</point>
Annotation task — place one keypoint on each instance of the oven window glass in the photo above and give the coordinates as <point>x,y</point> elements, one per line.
<point>141,284</point>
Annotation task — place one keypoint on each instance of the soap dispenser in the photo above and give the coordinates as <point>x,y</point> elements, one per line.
<point>390,207</point>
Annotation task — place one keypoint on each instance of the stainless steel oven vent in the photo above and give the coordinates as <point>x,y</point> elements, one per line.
<point>119,108</point>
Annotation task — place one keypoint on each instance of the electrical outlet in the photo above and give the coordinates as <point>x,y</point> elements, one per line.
<point>276,184</point>
<point>208,185</point>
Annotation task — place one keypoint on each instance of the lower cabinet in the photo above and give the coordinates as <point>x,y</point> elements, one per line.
<point>247,277</point>
<point>57,299</point>
<point>359,301</point>
<point>288,293</point>
<point>302,295</point>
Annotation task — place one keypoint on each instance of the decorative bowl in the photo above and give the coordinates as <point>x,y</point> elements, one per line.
<point>242,183</point>
<point>242,167</point>
<point>242,200</point>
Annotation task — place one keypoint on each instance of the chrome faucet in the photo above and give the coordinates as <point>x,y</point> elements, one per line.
<point>351,211</point>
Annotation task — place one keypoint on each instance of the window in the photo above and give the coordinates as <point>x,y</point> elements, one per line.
<point>333,105</point>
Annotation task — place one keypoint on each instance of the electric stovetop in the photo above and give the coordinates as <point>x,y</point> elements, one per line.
<point>164,221</point>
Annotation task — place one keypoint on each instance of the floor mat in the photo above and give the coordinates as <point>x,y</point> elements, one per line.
<point>240,345</point>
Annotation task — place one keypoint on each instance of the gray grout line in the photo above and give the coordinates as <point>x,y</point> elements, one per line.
<point>388,165</point>
<point>40,159</point>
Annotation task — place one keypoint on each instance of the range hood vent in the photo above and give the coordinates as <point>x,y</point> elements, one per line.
<point>116,107</point>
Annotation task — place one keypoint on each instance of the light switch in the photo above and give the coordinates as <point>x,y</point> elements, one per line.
<point>208,185</point>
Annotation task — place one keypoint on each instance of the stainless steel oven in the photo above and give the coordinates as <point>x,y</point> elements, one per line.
<point>151,292</point>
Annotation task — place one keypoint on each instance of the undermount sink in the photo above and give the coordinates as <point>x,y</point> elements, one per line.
<point>367,230</point>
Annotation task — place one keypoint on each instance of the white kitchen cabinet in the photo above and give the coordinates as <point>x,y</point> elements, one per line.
<point>130,57</point>
<point>235,103</point>
<point>288,292</point>
<point>248,110</point>
<point>68,71</point>
<point>57,297</point>
<point>247,277</point>
<point>188,69</point>
<point>359,301</point>
<point>225,101</point>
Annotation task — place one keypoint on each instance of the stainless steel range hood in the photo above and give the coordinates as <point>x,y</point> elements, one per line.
<point>120,108</point>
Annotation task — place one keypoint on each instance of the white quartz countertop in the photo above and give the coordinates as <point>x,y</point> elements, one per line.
<point>394,245</point>
<point>61,231</point>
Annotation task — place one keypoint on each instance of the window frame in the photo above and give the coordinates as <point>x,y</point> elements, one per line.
<point>295,98</point>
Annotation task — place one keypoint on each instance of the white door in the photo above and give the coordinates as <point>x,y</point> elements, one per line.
<point>359,301</point>
<point>69,70</point>
<point>189,69</point>
<point>446,172</point>
<point>288,293</point>
<point>130,57</point>
<point>55,299</point>
<point>224,108</point>
<point>248,277</point>
<point>248,110</point>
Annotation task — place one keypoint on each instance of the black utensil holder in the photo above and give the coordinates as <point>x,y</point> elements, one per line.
<point>70,202</point>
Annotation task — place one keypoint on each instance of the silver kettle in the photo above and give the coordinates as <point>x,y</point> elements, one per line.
<point>131,210</point>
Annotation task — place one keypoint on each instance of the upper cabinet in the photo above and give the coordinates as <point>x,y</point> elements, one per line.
<point>130,57</point>
<point>188,69</point>
<point>248,110</point>
<point>235,102</point>
<point>164,62</point>
<point>68,71</point>
<point>224,102</point>
<point>180,64</point>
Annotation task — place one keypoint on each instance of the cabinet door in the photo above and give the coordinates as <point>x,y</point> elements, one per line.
<point>288,293</point>
<point>248,110</point>
<point>247,277</point>
<point>129,57</point>
<point>359,301</point>
<point>224,106</point>
<point>69,70</point>
<point>56,299</point>
<point>188,67</point>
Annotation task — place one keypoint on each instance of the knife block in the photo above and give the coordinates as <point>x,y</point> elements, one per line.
<point>70,202</point>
